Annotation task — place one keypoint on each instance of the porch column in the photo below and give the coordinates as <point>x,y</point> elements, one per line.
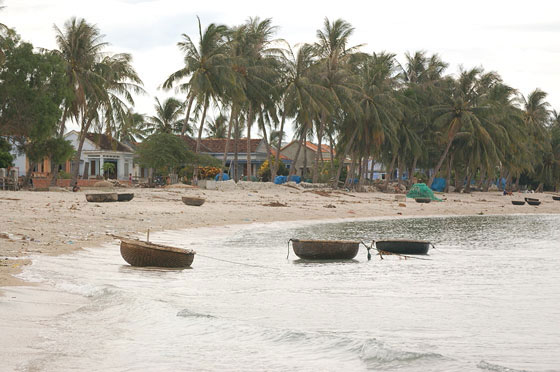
<point>101,162</point>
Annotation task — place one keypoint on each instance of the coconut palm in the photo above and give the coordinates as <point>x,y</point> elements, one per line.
<point>102,85</point>
<point>168,117</point>
<point>333,51</point>
<point>302,96</point>
<point>216,128</point>
<point>207,70</point>
<point>131,127</point>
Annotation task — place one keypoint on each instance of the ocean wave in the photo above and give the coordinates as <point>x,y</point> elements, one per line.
<point>374,351</point>
<point>186,313</point>
<point>497,368</point>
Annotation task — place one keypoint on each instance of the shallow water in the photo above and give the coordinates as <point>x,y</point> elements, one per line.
<point>488,299</point>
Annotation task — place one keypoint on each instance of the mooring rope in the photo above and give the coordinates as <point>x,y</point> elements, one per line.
<point>237,263</point>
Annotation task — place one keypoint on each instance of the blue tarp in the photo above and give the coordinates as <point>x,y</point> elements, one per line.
<point>438,184</point>
<point>278,180</point>
<point>224,178</point>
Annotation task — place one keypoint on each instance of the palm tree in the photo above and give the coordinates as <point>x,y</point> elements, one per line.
<point>256,60</point>
<point>167,117</point>
<point>102,85</point>
<point>302,96</point>
<point>460,109</point>
<point>217,127</point>
<point>333,52</point>
<point>207,69</point>
<point>131,127</point>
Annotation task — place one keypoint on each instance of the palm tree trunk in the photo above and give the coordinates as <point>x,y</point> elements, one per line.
<point>274,167</point>
<point>268,152</point>
<point>319,153</point>
<point>449,167</point>
<point>293,169</point>
<point>199,138</point>
<point>331,150</point>
<point>350,174</point>
<point>236,153</point>
<point>469,178</point>
<point>440,162</point>
<point>411,172</point>
<point>78,155</point>
<point>344,155</point>
<point>304,173</point>
<point>230,124</point>
<point>249,123</point>
<point>517,182</point>
<point>186,122</point>
<point>390,173</point>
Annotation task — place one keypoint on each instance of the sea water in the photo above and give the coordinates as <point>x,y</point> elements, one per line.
<point>487,298</point>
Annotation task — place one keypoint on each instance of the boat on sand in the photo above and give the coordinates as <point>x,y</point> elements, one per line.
<point>102,197</point>
<point>197,202</point>
<point>325,249</point>
<point>142,254</point>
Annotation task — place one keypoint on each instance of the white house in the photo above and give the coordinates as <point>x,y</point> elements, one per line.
<point>99,149</point>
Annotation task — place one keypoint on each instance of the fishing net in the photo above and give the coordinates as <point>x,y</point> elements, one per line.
<point>421,190</point>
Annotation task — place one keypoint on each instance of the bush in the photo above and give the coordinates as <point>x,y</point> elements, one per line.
<point>208,173</point>
<point>264,170</point>
<point>64,175</point>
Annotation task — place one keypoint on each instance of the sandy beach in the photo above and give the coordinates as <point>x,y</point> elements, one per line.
<point>59,222</point>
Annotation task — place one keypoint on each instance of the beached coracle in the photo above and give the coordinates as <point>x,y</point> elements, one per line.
<point>517,202</point>
<point>533,202</point>
<point>423,200</point>
<point>193,201</point>
<point>143,254</point>
<point>325,249</point>
<point>125,197</point>
<point>102,198</point>
<point>555,197</point>
<point>403,246</point>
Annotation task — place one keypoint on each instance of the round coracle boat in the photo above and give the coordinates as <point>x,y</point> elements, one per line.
<point>403,246</point>
<point>197,202</point>
<point>423,200</point>
<point>143,254</point>
<point>517,202</point>
<point>556,197</point>
<point>102,197</point>
<point>325,249</point>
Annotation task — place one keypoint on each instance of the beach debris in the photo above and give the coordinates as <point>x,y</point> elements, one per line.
<point>5,236</point>
<point>402,205</point>
<point>329,206</point>
<point>276,204</point>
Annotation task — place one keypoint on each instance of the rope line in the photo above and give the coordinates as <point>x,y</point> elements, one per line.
<point>237,263</point>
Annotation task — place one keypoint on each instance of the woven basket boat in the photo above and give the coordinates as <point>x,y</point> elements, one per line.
<point>325,249</point>
<point>403,246</point>
<point>142,254</point>
<point>193,201</point>
<point>517,202</point>
<point>102,198</point>
<point>556,197</point>
<point>125,197</point>
<point>533,202</point>
<point>423,200</point>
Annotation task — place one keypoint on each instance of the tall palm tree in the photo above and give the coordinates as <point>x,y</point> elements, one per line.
<point>207,70</point>
<point>303,98</point>
<point>460,109</point>
<point>333,51</point>
<point>256,61</point>
<point>102,84</point>
<point>168,117</point>
<point>131,127</point>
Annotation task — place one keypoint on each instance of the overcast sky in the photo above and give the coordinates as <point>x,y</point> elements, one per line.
<point>518,39</point>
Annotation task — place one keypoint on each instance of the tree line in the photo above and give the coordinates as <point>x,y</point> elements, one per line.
<point>411,115</point>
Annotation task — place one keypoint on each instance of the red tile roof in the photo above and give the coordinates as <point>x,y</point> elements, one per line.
<point>218,145</point>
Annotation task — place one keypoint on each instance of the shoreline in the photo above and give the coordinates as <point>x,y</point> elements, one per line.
<point>61,222</point>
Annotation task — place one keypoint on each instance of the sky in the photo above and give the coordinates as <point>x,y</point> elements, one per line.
<point>518,39</point>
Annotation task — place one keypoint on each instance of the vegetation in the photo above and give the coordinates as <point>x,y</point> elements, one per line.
<point>167,154</point>
<point>6,158</point>
<point>264,170</point>
<point>413,115</point>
